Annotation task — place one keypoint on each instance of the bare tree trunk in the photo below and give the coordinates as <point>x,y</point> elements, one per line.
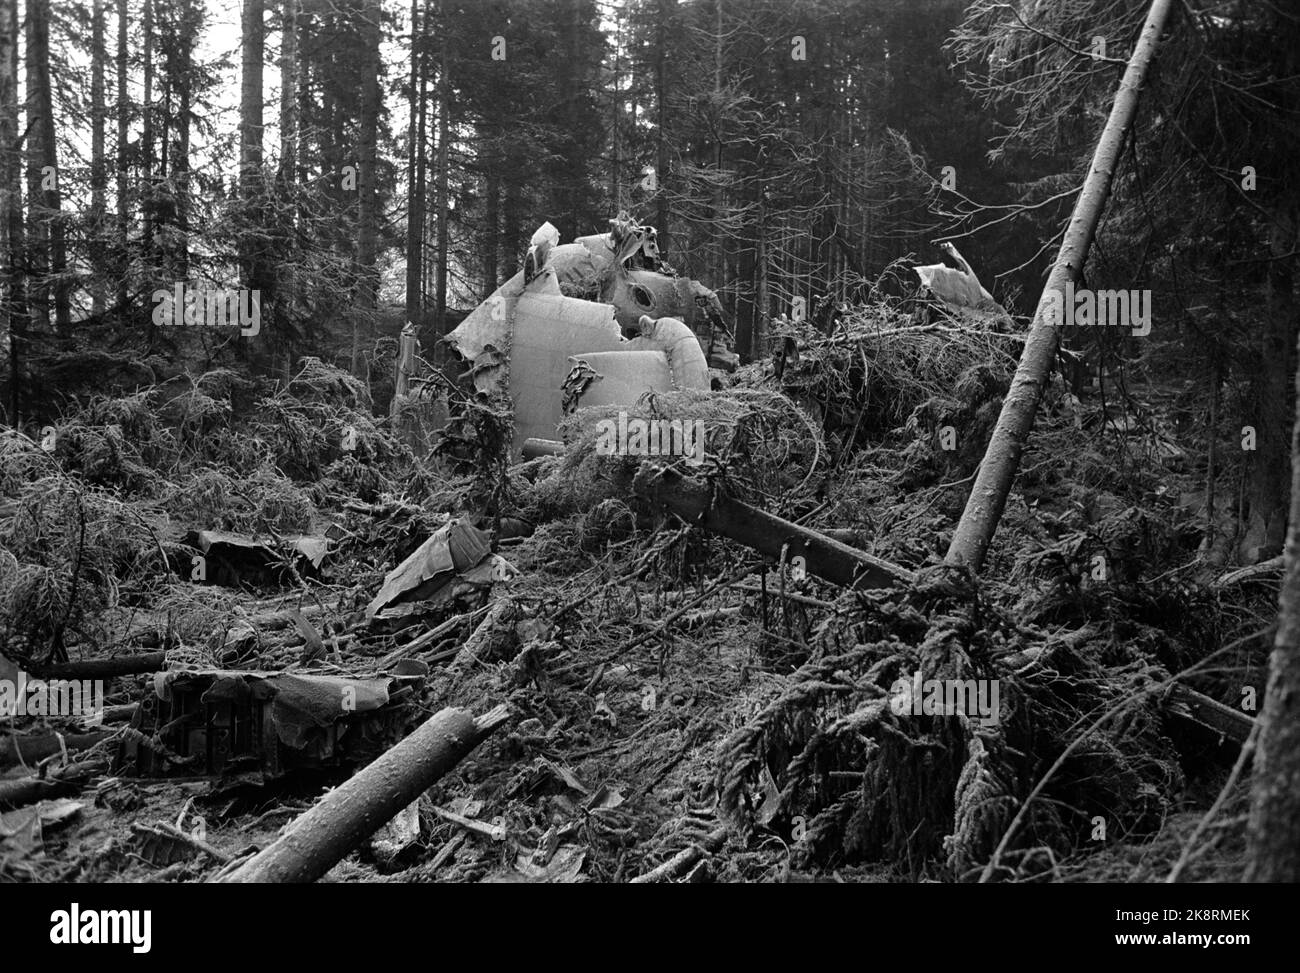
<point>123,161</point>
<point>415,174</point>
<point>288,93</point>
<point>288,283</point>
<point>616,145</point>
<point>988,497</point>
<point>444,160</point>
<point>511,223</point>
<point>492,239</point>
<point>719,235</point>
<point>42,191</point>
<point>762,300</point>
<point>661,97</point>
<point>98,168</point>
<point>1269,476</point>
<point>146,131</point>
<point>11,185</point>
<point>367,178</point>
<point>1273,833</point>
<point>252,48</point>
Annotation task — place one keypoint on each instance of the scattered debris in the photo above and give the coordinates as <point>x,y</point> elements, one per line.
<point>226,722</point>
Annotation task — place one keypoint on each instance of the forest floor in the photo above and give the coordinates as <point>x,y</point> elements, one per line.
<point>669,690</point>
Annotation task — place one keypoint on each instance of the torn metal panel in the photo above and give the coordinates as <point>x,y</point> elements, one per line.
<point>457,558</point>
<point>960,287</point>
<point>235,559</point>
<point>225,721</point>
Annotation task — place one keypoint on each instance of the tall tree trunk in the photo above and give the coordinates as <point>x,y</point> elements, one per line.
<point>1273,831</point>
<point>188,23</point>
<point>1269,476</point>
<point>252,46</point>
<point>762,300</point>
<point>11,212</point>
<point>422,183</point>
<point>444,161</point>
<point>988,497</point>
<point>288,93</point>
<point>492,238</point>
<point>39,132</point>
<point>415,171</point>
<point>287,169</point>
<point>616,144</point>
<point>720,242</point>
<point>98,165</point>
<point>665,10</point>
<point>511,220</point>
<point>367,178</point>
<point>123,163</point>
<point>147,209</point>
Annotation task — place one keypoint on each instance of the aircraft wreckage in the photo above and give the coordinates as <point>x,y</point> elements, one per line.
<point>599,321</point>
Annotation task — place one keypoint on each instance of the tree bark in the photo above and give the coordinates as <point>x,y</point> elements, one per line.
<point>988,497</point>
<point>367,178</point>
<point>46,250</point>
<point>288,93</point>
<point>1269,477</point>
<point>98,167</point>
<point>444,161</point>
<point>11,217</point>
<point>1273,831</point>
<point>251,121</point>
<point>188,18</point>
<point>146,131</point>
<point>415,173</point>
<point>665,11</point>
<point>250,110</point>
<point>123,162</point>
<point>492,230</point>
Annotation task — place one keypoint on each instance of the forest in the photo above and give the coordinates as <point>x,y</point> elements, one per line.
<point>656,441</point>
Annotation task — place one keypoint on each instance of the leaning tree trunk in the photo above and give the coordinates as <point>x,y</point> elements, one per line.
<point>1273,834</point>
<point>979,520</point>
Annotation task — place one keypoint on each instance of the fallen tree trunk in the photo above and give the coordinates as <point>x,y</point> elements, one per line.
<point>697,503</point>
<point>37,747</point>
<point>1233,724</point>
<point>123,665</point>
<point>988,497</point>
<point>30,790</point>
<point>349,814</point>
